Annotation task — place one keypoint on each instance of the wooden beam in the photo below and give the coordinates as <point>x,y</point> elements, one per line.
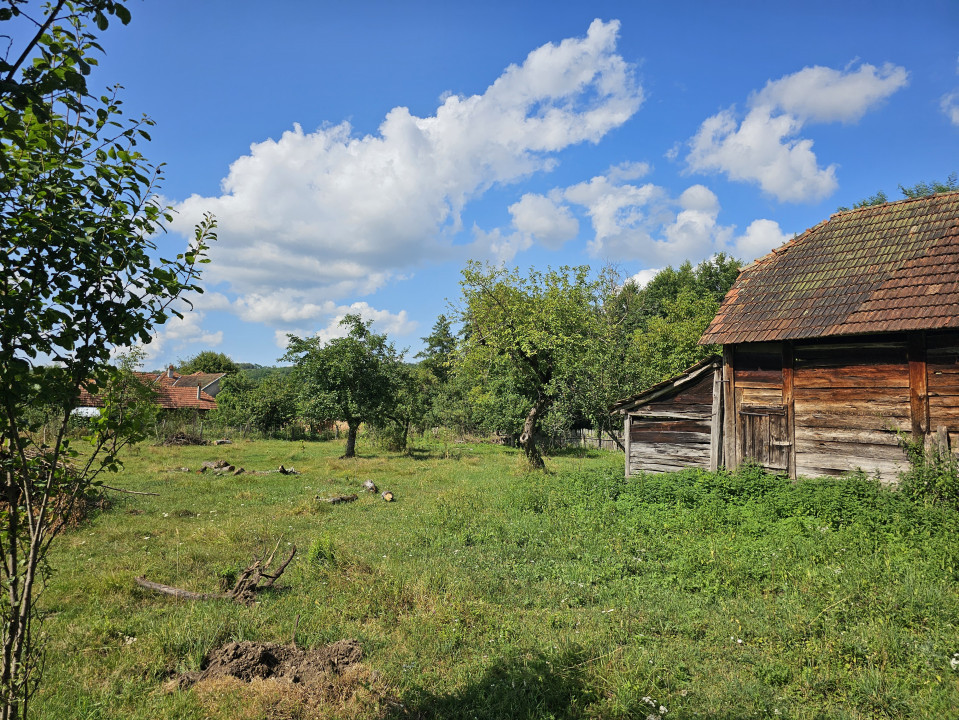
<point>789,381</point>
<point>730,459</point>
<point>626,439</point>
<point>918,385</point>
<point>716,423</point>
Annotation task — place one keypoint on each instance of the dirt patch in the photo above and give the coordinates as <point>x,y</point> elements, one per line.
<point>248,660</point>
<point>283,681</point>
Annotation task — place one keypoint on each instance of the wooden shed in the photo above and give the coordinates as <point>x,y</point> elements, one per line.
<point>677,423</point>
<point>833,346</point>
<point>841,338</point>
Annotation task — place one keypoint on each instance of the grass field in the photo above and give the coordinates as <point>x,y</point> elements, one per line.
<point>487,592</point>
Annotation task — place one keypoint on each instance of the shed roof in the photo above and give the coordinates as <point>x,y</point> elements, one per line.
<point>667,387</point>
<point>882,268</point>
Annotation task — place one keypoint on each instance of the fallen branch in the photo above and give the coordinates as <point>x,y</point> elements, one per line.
<point>255,577</point>
<point>178,593</point>
<point>129,492</point>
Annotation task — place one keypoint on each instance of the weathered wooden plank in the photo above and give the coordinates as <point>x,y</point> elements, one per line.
<point>942,379</point>
<point>852,422</point>
<point>673,452</point>
<point>918,392</point>
<point>848,463</point>
<point>857,401</point>
<point>843,450</point>
<point>853,376</point>
<point>944,410</point>
<point>847,434</point>
<point>716,423</point>
<point>672,437</point>
<point>696,426</point>
<point>759,378</point>
<point>729,409</point>
<point>789,385</point>
<point>644,414</point>
<point>662,467</point>
<point>759,396</point>
<point>627,424</point>
<point>888,475</point>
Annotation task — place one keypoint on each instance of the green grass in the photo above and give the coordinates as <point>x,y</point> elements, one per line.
<point>487,592</point>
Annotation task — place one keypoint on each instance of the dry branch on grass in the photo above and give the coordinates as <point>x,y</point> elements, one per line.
<point>257,576</point>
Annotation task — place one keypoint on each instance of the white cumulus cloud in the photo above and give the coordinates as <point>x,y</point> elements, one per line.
<point>383,321</point>
<point>540,217</point>
<point>645,223</point>
<point>764,146</point>
<point>949,104</point>
<point>316,217</point>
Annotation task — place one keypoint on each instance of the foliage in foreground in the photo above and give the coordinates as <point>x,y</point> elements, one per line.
<point>483,592</point>
<point>79,217</point>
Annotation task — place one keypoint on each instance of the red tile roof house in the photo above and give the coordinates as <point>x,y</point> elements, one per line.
<point>174,391</point>
<point>831,345</point>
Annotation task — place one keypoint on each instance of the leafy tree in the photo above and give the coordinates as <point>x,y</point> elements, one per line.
<point>352,379</point>
<point>669,344</point>
<point>529,335</point>
<point>437,356</point>
<point>78,214</point>
<point>920,189</point>
<point>208,361</point>
<point>416,387</point>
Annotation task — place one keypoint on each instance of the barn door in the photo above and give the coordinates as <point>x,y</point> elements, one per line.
<point>764,435</point>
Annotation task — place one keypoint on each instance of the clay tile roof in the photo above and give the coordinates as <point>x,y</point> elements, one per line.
<point>168,397</point>
<point>881,268</point>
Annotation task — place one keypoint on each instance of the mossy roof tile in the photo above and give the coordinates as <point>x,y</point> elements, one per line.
<point>875,269</point>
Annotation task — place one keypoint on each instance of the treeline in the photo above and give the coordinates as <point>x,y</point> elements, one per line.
<point>523,356</point>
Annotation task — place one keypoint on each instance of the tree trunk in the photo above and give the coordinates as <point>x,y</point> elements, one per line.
<point>527,438</point>
<point>351,440</point>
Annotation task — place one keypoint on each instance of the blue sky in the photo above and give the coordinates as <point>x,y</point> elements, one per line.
<point>356,155</point>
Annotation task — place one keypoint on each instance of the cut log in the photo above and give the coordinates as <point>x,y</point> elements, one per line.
<point>370,486</point>
<point>337,499</point>
<point>387,496</point>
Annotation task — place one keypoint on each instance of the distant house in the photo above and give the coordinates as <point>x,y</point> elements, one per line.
<point>174,391</point>
<point>837,341</point>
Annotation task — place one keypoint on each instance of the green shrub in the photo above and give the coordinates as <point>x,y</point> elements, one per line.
<point>933,475</point>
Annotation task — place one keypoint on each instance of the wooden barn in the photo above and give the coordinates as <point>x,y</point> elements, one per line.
<point>834,343</point>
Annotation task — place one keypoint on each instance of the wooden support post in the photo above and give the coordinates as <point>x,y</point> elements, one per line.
<point>716,422</point>
<point>918,390</point>
<point>789,404</point>
<point>626,441</point>
<point>730,454</point>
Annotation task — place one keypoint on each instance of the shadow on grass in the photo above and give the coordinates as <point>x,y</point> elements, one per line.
<point>535,686</point>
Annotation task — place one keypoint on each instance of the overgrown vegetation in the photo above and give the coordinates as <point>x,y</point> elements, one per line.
<point>81,276</point>
<point>484,592</point>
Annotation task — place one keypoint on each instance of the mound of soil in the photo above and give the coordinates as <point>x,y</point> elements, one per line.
<point>248,661</point>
